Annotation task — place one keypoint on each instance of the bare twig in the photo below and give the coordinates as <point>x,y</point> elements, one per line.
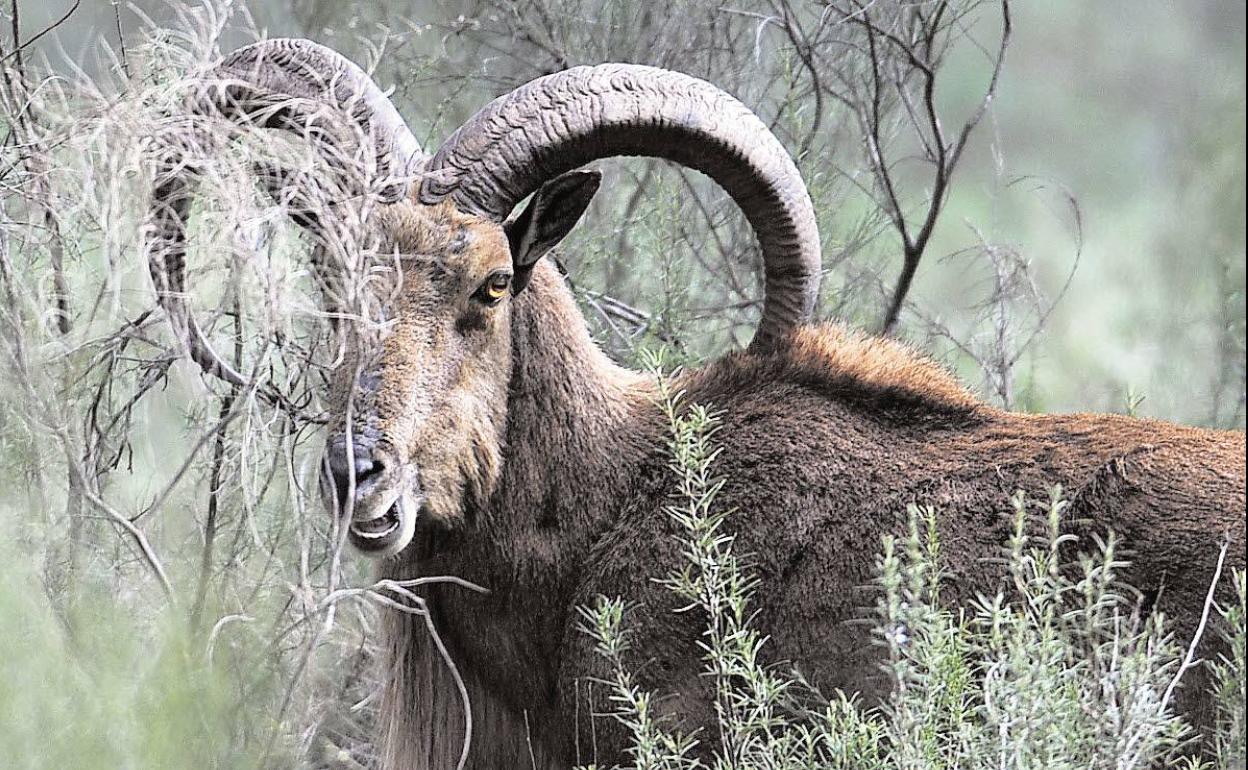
<point>17,51</point>
<point>1190,657</point>
<point>34,157</point>
<point>121,38</point>
<point>215,476</point>
<point>140,539</point>
<point>922,52</point>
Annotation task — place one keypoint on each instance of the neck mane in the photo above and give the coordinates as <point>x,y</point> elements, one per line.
<point>572,428</point>
<point>578,429</point>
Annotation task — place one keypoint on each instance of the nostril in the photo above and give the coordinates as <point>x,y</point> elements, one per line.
<point>362,465</point>
<point>366,466</point>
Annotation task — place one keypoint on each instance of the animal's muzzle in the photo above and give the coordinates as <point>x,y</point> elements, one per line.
<point>351,470</point>
<point>376,498</point>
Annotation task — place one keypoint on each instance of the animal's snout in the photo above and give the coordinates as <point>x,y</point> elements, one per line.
<point>378,496</point>
<point>360,462</point>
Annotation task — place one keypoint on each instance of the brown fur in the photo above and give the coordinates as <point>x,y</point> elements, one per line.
<point>443,363</point>
<point>825,442</point>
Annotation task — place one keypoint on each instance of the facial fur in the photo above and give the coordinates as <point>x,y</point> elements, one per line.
<point>427,386</point>
<point>422,390</point>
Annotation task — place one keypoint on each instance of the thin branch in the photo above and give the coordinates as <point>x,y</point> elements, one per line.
<point>136,534</point>
<point>1189,658</point>
<point>17,52</point>
<point>947,156</point>
<point>34,157</point>
<point>214,476</point>
<point>121,38</point>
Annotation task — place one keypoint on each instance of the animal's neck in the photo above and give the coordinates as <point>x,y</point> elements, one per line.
<point>572,429</point>
<point>578,431</point>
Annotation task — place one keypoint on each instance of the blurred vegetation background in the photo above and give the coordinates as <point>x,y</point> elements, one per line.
<point>1133,111</point>
<point>1089,255</point>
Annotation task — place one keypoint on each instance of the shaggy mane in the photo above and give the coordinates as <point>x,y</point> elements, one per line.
<point>881,373</point>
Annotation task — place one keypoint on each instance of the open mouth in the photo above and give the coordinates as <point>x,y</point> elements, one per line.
<point>384,520</point>
<point>377,497</point>
<point>379,528</point>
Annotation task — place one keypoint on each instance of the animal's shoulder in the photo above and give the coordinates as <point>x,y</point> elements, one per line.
<point>882,375</point>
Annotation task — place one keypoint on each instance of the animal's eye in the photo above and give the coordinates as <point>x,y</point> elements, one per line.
<point>494,288</point>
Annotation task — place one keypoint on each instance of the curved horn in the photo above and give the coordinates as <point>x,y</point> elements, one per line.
<point>296,85</point>
<point>556,123</point>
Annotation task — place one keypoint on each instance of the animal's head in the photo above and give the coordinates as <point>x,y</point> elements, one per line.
<point>422,403</point>
<point>419,406</point>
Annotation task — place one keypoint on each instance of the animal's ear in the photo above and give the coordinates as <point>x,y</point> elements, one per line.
<point>551,214</point>
<point>296,192</point>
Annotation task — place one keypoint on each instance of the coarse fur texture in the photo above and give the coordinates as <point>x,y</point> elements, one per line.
<point>420,398</point>
<point>479,432</point>
<point>825,442</point>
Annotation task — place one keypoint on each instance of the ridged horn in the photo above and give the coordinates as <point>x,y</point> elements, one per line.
<point>289,84</point>
<point>559,122</point>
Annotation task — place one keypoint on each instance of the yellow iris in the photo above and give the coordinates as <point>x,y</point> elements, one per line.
<point>496,287</point>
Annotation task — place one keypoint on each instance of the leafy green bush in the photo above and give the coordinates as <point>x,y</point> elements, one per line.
<point>1230,673</point>
<point>87,686</point>
<point>1059,671</point>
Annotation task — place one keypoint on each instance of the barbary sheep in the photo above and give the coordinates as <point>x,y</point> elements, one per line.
<point>491,438</point>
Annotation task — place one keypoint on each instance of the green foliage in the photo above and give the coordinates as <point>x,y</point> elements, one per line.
<point>1057,670</point>
<point>1230,674</point>
<point>97,670</point>
<point>170,579</point>
<point>90,686</point>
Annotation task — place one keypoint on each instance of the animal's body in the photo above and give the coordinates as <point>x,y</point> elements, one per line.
<point>477,431</point>
<point>824,443</point>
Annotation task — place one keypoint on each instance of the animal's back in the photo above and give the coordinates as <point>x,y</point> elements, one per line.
<point>823,448</point>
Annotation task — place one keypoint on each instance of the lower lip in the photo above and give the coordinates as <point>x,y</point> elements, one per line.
<point>388,534</point>
<point>379,530</point>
